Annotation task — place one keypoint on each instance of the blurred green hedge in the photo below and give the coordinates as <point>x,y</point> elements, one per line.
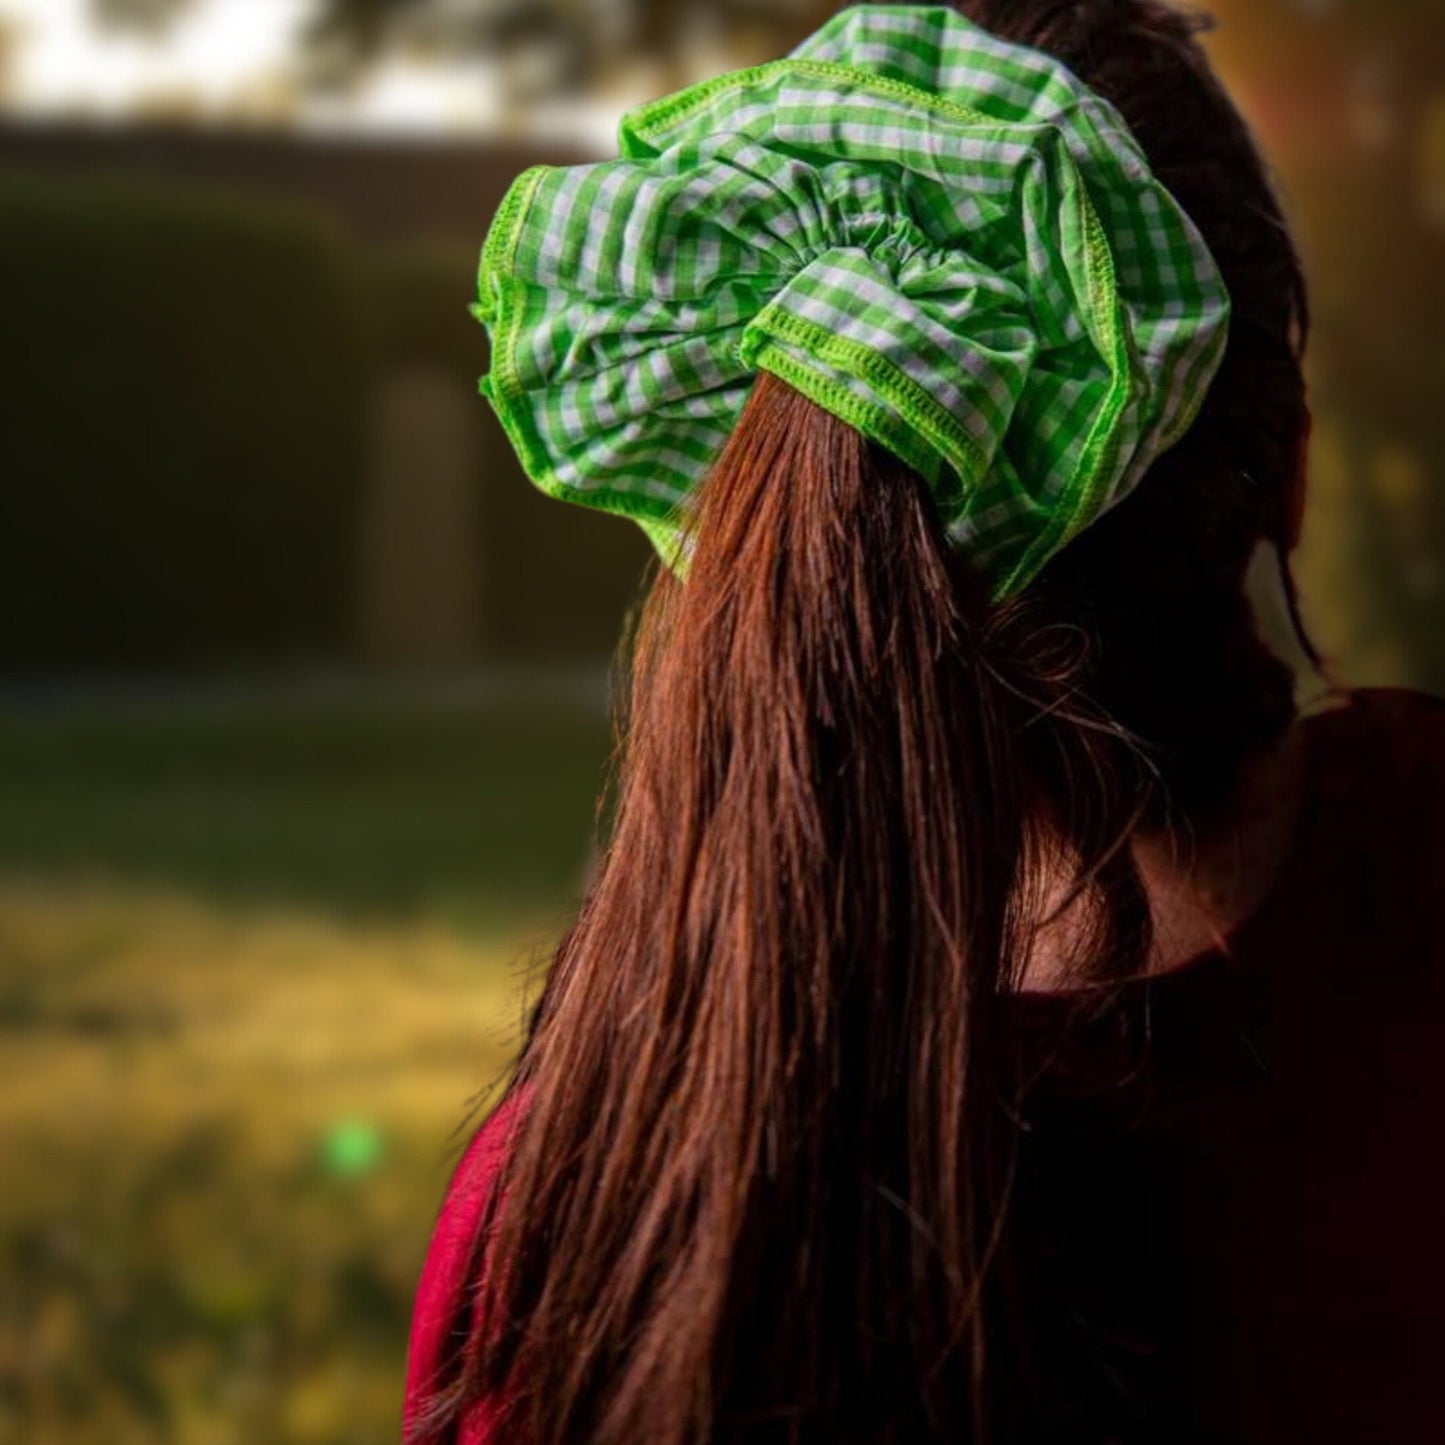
<point>188,375</point>
<point>185,375</point>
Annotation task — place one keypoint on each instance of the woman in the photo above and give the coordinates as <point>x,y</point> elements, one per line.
<point>998,1015</point>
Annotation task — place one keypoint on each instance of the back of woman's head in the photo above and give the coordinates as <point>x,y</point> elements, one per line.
<point>1159,581</point>
<point>760,1186</point>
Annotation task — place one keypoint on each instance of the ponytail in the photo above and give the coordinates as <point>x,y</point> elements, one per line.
<point>763,1136</point>
<point>759,1187</point>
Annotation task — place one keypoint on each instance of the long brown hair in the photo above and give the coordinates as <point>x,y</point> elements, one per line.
<point>758,1185</point>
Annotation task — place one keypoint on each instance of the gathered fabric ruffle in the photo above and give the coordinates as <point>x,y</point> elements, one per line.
<point>945,240</point>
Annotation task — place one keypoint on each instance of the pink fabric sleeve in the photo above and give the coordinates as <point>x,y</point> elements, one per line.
<point>441,1292</point>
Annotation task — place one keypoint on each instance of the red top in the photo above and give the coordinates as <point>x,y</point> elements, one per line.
<point>441,1292</point>
<point>1240,1240</point>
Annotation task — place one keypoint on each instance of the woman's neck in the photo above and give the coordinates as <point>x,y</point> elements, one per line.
<point>1206,879</point>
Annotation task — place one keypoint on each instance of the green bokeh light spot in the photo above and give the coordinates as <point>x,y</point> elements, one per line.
<point>351,1147</point>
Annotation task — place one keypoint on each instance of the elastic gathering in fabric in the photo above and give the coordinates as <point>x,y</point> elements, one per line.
<point>945,240</point>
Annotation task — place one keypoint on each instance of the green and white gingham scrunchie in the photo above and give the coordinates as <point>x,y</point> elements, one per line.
<point>945,240</point>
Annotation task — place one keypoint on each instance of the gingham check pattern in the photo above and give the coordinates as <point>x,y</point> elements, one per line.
<point>945,240</point>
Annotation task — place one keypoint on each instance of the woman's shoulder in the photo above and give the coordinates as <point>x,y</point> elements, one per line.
<point>1382,749</point>
<point>1375,831</point>
<point>1405,710</point>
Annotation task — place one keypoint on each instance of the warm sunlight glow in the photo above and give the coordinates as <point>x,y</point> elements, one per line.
<point>216,53</point>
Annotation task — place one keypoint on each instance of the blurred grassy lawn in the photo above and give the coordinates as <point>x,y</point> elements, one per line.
<point>255,961</point>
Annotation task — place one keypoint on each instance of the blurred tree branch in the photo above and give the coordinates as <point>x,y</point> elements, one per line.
<point>149,17</point>
<point>579,43</point>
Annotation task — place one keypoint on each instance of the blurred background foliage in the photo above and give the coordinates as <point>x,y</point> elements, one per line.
<point>303,689</point>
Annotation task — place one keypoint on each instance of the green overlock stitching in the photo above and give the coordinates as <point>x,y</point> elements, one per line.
<point>919,410</point>
<point>872,420</point>
<point>648,121</point>
<point>1076,501</point>
<point>499,250</point>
